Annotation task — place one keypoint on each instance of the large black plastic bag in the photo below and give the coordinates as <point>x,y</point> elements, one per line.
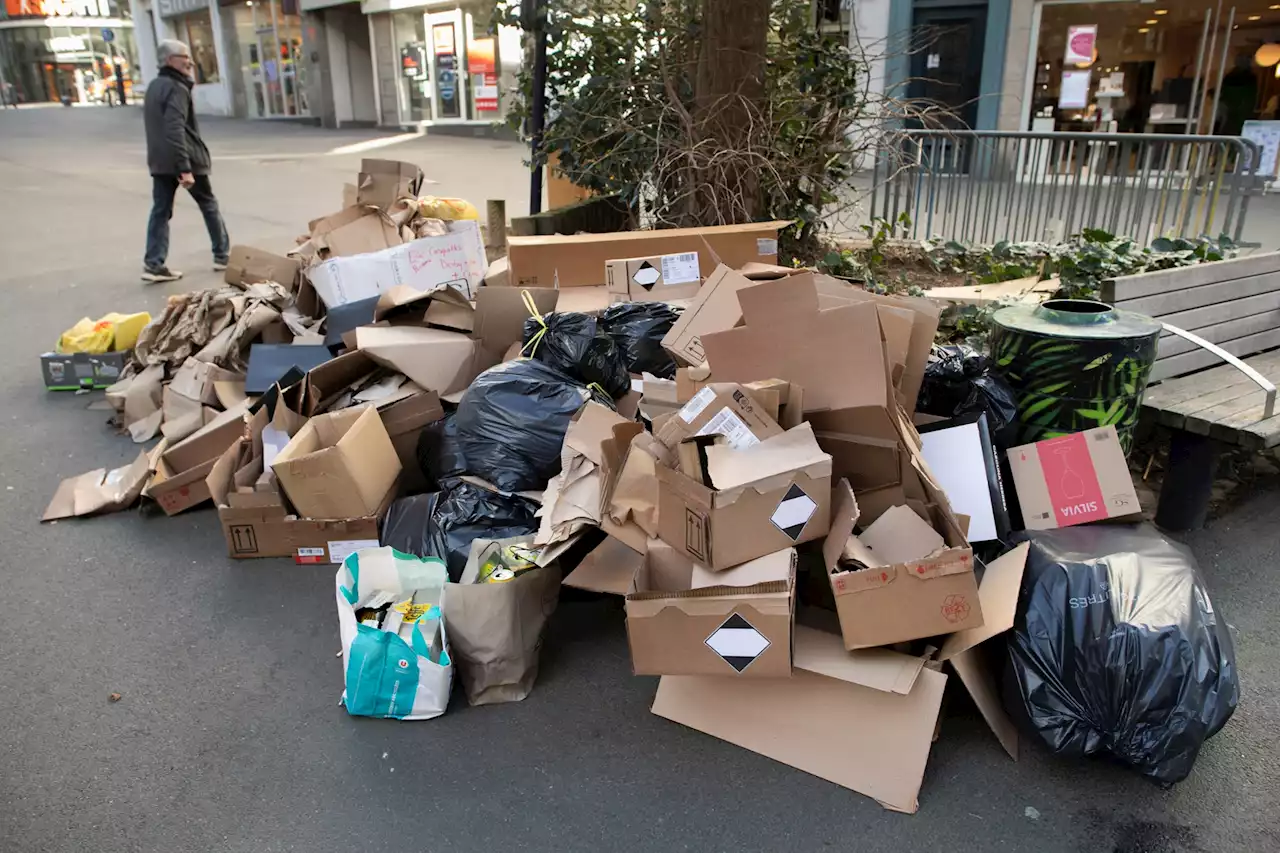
<point>439,456</point>
<point>575,345</point>
<point>512,420</point>
<point>1117,649</point>
<point>444,524</point>
<point>958,381</point>
<point>638,329</point>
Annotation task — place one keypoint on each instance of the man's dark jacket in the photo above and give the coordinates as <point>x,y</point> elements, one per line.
<point>174,145</point>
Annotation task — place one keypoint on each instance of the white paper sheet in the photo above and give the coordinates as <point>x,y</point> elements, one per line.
<point>955,457</point>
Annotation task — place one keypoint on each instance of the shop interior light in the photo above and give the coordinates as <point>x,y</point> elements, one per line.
<point>1160,12</point>
<point>1151,21</point>
<point>1143,30</point>
<point>1255,17</point>
<point>1267,55</point>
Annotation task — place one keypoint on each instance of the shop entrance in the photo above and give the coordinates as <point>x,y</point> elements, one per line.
<point>269,35</point>
<point>947,67</point>
<point>1157,67</point>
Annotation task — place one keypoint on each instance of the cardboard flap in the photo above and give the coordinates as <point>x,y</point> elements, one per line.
<point>501,312</point>
<point>778,300</point>
<point>998,595</point>
<point>901,536</point>
<point>880,669</point>
<point>844,516</point>
<point>794,450</point>
<point>769,569</point>
<point>981,684</point>
<point>436,359</point>
<point>610,568</point>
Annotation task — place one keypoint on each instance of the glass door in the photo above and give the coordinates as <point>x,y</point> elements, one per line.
<point>448,64</point>
<point>270,37</point>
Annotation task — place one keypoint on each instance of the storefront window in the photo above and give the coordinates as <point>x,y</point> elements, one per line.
<point>196,29</point>
<point>1131,66</point>
<point>269,35</point>
<point>410,33</point>
<point>51,62</point>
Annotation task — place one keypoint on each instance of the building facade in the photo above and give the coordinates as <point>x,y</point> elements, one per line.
<point>75,51</point>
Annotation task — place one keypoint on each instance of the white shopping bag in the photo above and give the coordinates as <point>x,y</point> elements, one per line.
<point>406,673</point>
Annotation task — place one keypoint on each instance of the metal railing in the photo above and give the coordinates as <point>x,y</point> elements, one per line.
<point>986,186</point>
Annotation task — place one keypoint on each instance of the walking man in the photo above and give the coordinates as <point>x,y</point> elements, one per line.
<point>177,157</point>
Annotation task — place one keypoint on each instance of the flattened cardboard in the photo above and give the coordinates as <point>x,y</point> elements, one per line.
<point>208,442</point>
<point>655,278</point>
<point>714,309</point>
<point>579,260</point>
<point>773,496</point>
<point>1073,479</point>
<point>889,602</point>
<point>737,623</point>
<point>501,312</point>
<point>785,336</point>
<point>438,360</point>
<point>384,182</point>
<point>584,300</point>
<point>609,568</point>
<point>101,491</point>
<point>247,265</point>
<point>632,514</point>
<point>353,231</point>
<point>888,702</point>
<point>339,465</point>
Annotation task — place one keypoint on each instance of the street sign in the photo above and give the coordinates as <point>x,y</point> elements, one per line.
<point>108,35</point>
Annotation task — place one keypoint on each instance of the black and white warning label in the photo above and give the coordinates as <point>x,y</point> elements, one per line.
<point>793,512</point>
<point>646,276</point>
<point>738,642</point>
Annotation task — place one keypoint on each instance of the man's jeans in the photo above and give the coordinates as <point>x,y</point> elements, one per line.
<point>163,188</point>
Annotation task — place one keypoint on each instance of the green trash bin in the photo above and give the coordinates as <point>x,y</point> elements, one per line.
<point>1075,364</point>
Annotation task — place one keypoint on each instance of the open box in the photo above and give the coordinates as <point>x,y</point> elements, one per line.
<point>768,497</point>
<point>685,620</point>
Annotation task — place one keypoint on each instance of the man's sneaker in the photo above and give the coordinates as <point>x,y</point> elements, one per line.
<point>158,274</point>
<point>219,266</point>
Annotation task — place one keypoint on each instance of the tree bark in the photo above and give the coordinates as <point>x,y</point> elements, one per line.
<point>728,91</point>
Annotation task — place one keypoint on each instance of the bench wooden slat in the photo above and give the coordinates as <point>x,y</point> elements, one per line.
<point>1245,429</point>
<point>1174,399</point>
<point>1168,281</point>
<point>1187,362</point>
<point>1204,421</point>
<point>1160,305</point>
<point>1207,322</point>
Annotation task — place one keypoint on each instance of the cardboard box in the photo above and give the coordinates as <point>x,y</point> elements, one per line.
<point>895,700</point>
<point>176,491</point>
<point>782,401</point>
<point>584,300</point>
<point>685,620</point>
<point>455,259</point>
<point>771,496</point>
<point>579,260</point>
<point>270,528</point>
<point>915,581</point>
<point>864,721</point>
<point>1073,479</point>
<point>656,278</point>
<point>351,231</point>
<point>247,265</point>
<point>384,182</point>
<point>723,409</point>
<point>73,371</point>
<point>339,465</point>
<point>101,491</point>
<point>714,309</point>
<point>404,420</point>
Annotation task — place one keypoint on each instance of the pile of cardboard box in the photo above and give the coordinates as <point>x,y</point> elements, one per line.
<point>792,565</point>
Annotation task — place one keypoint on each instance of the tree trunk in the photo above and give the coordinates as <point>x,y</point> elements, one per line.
<point>729,90</point>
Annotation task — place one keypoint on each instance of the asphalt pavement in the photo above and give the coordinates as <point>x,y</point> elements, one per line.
<point>228,735</point>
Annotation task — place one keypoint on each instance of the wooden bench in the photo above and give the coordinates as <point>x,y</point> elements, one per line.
<point>1216,369</point>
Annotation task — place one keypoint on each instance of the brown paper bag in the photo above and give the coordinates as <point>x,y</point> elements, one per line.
<point>495,629</point>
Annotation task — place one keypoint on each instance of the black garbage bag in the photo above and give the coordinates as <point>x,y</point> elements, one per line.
<point>575,345</point>
<point>444,524</point>
<point>512,420</point>
<point>638,329</point>
<point>958,381</point>
<point>439,455</point>
<point>1116,649</point>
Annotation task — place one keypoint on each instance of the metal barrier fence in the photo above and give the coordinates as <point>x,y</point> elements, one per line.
<point>987,186</point>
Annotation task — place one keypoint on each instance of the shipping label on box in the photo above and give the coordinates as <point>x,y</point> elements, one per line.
<point>1073,479</point>
<point>657,278</point>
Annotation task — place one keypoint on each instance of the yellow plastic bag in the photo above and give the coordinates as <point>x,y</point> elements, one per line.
<point>87,336</point>
<point>449,209</point>
<point>112,332</point>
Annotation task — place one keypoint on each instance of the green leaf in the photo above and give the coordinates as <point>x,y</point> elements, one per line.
<point>1097,235</point>
<point>1098,362</point>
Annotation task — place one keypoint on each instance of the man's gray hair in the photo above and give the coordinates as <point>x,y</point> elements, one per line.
<point>169,48</point>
